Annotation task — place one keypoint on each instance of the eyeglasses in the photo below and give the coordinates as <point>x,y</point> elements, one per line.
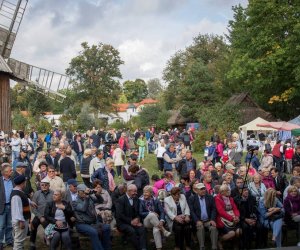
<point>44,184</point>
<point>51,171</point>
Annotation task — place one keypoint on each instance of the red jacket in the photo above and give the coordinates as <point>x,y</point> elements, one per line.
<point>220,205</point>
<point>124,141</point>
<point>276,150</point>
<point>289,153</point>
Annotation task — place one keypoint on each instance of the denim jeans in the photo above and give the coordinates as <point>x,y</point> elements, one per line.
<point>14,157</point>
<point>6,226</point>
<point>79,159</point>
<point>92,232</point>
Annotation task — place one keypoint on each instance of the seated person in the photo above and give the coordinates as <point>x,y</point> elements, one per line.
<point>178,216</point>
<point>86,221</point>
<point>128,218</point>
<point>41,198</point>
<point>60,213</point>
<point>153,215</point>
<point>203,213</point>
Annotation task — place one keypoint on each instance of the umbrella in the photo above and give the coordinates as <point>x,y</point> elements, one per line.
<point>296,132</point>
<point>286,126</point>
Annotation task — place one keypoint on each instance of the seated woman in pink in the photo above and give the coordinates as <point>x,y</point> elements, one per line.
<point>267,179</point>
<point>167,183</point>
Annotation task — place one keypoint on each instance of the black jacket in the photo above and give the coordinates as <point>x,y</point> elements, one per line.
<point>50,162</point>
<point>85,165</point>
<point>125,213</point>
<point>76,148</point>
<point>2,195</point>
<point>195,208</point>
<point>51,209</point>
<point>247,208</point>
<point>67,168</point>
<point>141,179</point>
<point>182,166</point>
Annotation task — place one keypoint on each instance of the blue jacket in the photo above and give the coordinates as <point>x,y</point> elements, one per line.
<point>264,220</point>
<point>157,208</point>
<point>167,165</point>
<point>102,175</point>
<point>254,162</point>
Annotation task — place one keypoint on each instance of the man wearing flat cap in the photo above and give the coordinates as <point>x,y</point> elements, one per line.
<point>23,157</point>
<point>41,198</point>
<point>203,213</point>
<point>20,212</point>
<point>20,170</point>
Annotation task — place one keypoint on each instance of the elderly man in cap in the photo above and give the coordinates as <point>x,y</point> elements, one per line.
<point>24,158</point>
<point>6,187</point>
<point>203,212</point>
<point>21,170</point>
<point>71,193</point>
<point>231,170</point>
<point>41,198</point>
<point>20,212</point>
<point>86,221</point>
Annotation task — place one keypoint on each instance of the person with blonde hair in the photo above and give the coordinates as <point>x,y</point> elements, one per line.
<point>40,158</point>
<point>271,214</point>
<point>291,206</point>
<point>228,216</point>
<point>118,157</point>
<point>257,188</point>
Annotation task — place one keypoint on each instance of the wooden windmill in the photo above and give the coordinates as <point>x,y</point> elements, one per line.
<point>44,81</point>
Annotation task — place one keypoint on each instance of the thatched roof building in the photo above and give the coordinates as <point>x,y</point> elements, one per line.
<point>249,108</point>
<point>176,119</point>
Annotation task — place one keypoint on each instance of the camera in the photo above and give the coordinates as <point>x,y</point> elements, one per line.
<point>91,192</point>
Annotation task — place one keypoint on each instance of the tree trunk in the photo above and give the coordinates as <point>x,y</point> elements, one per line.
<point>5,109</point>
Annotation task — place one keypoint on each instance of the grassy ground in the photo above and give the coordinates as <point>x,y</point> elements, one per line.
<point>151,165</point>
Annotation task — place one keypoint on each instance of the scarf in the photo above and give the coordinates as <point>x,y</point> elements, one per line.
<point>111,182</point>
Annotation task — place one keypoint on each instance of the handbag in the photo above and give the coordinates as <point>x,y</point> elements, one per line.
<point>276,216</point>
<point>227,223</point>
<point>49,232</point>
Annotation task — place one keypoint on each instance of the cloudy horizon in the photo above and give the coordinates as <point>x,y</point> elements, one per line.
<point>146,32</point>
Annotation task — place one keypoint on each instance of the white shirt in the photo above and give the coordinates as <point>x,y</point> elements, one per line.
<point>74,196</point>
<point>160,151</point>
<point>95,164</point>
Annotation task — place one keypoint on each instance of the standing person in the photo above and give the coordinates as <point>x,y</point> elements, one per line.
<point>171,159</point>
<point>242,137</point>
<point>203,212</point>
<point>124,143</point>
<point>128,218</point>
<point>6,187</point>
<point>20,212</point>
<point>141,142</point>
<point>97,162</point>
<point>277,156</point>
<point>79,149</point>
<point>159,151</point>
<point>118,157</point>
<point>52,159</point>
<point>56,183</point>
<point>15,146</point>
<point>186,164</point>
<point>289,153</point>
<point>84,171</point>
<point>67,167</point>
<point>5,152</point>
<point>34,137</point>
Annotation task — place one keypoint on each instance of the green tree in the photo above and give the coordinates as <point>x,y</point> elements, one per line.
<point>84,120</point>
<point>95,73</point>
<point>122,98</point>
<point>154,114</point>
<point>154,88</point>
<point>265,58</point>
<point>135,91</point>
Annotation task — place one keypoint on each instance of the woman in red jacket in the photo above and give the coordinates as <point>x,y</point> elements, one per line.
<point>227,217</point>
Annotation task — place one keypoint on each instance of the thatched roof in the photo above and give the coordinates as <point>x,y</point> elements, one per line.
<point>249,108</point>
<point>176,118</point>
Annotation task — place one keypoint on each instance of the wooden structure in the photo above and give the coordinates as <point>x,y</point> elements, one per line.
<point>41,80</point>
<point>176,119</point>
<point>249,108</point>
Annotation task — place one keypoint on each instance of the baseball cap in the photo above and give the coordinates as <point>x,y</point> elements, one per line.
<point>72,182</point>
<point>229,166</point>
<point>199,186</point>
<point>81,187</point>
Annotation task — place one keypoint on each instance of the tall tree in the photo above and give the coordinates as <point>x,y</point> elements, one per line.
<point>95,73</point>
<point>135,91</point>
<point>265,40</point>
<point>154,88</point>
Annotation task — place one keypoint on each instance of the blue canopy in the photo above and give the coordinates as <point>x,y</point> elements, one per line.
<point>296,120</point>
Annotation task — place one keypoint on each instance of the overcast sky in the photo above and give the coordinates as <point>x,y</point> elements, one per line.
<point>146,32</point>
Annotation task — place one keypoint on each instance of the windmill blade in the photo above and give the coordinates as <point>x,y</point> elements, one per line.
<point>11,15</point>
<point>44,81</point>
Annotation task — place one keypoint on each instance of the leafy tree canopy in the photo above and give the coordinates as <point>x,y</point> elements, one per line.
<point>135,91</point>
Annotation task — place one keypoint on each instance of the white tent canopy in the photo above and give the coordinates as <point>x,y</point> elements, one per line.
<point>253,125</point>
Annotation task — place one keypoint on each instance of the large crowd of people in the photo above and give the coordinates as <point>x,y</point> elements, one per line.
<point>96,184</point>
